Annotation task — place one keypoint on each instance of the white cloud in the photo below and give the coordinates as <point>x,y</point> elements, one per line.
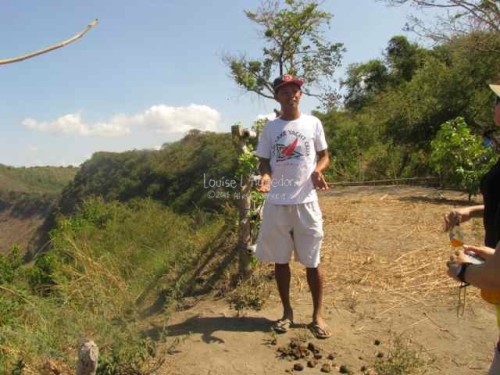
<point>158,118</point>
<point>73,124</point>
<point>178,120</point>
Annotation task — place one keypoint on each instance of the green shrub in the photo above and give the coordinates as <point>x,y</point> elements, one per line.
<point>460,157</point>
<point>9,265</point>
<point>404,358</point>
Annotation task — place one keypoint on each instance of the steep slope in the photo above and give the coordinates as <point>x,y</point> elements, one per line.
<point>27,197</point>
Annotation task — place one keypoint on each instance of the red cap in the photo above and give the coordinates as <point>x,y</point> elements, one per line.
<point>285,80</point>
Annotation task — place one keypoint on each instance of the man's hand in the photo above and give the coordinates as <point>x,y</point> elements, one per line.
<point>319,181</point>
<point>456,217</point>
<point>481,251</point>
<point>455,262</point>
<point>459,215</point>
<point>265,184</point>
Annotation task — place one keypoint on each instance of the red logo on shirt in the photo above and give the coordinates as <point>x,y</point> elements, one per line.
<point>286,152</point>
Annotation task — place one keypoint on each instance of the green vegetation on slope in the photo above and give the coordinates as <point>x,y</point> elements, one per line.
<point>32,191</point>
<point>28,197</point>
<point>35,180</point>
<point>174,175</point>
<point>110,266</point>
<point>136,232</point>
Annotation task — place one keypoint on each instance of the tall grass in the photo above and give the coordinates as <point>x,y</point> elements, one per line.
<point>107,266</point>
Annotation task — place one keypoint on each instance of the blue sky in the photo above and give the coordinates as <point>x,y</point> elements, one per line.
<point>146,74</point>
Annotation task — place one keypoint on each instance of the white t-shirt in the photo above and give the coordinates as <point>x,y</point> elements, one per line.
<point>291,147</point>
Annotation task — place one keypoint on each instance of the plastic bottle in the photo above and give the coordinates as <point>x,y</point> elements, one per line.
<point>456,236</point>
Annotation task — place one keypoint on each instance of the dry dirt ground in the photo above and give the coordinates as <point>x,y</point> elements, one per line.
<point>384,260</point>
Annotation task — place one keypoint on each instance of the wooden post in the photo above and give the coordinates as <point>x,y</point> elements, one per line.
<point>241,137</point>
<point>88,354</point>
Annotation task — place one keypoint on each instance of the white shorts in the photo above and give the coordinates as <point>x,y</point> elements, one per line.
<point>286,228</point>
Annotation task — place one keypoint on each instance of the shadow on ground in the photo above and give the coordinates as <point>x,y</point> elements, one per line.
<point>440,201</point>
<point>207,326</point>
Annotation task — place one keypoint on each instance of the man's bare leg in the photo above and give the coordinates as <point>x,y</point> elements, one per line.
<point>315,282</point>
<point>283,277</point>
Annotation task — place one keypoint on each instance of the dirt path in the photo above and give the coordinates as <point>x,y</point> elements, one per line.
<point>386,294</point>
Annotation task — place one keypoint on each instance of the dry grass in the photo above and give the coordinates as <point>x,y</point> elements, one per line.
<point>386,244</point>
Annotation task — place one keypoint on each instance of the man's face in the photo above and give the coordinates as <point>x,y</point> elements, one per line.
<point>288,96</point>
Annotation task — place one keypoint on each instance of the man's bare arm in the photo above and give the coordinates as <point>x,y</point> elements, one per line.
<point>265,175</point>
<point>322,162</point>
<point>486,275</point>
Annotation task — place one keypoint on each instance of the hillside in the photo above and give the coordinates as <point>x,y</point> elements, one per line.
<point>35,180</point>
<point>27,197</point>
<point>173,175</point>
<point>129,228</point>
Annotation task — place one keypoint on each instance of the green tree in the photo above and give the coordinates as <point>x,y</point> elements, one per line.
<point>404,98</point>
<point>363,83</point>
<point>460,157</point>
<point>294,44</point>
<point>366,81</point>
<point>403,58</point>
<point>449,81</point>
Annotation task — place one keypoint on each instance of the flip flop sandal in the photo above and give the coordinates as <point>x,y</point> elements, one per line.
<point>319,332</point>
<point>282,325</point>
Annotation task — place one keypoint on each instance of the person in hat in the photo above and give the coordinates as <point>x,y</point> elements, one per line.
<point>485,276</point>
<point>293,154</point>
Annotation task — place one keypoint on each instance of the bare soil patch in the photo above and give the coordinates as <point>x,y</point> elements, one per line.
<point>384,260</point>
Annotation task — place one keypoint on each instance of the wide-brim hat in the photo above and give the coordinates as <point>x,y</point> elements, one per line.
<point>496,89</point>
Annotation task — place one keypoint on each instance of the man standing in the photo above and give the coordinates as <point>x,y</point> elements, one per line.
<point>293,154</point>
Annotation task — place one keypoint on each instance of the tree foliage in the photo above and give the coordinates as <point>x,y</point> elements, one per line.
<point>459,157</point>
<point>399,101</point>
<point>403,58</point>
<point>363,82</point>
<point>293,34</point>
<point>175,174</point>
